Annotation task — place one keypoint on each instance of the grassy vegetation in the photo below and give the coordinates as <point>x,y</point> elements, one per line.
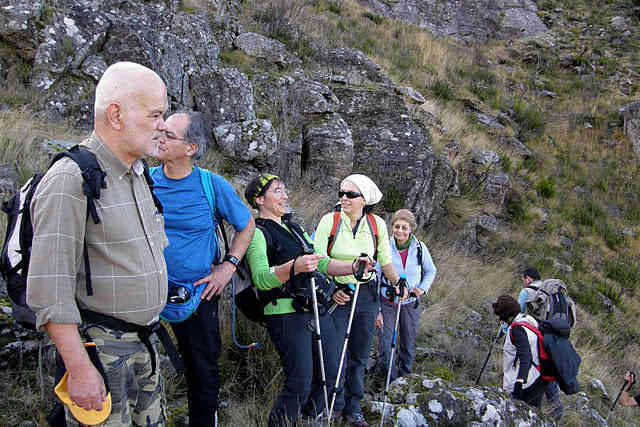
<point>583,169</point>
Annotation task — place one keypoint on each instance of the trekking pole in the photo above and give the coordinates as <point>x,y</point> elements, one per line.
<point>318,338</point>
<point>402,285</point>
<point>344,349</point>
<point>234,310</point>
<point>615,402</point>
<point>495,340</point>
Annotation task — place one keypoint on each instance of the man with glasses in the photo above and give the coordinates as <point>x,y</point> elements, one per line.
<point>193,252</point>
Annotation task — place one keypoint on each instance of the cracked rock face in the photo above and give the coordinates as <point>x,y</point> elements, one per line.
<point>342,115</point>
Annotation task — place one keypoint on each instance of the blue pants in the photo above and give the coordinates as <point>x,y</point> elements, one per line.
<point>199,344</point>
<point>405,338</point>
<point>361,337</point>
<point>293,342</point>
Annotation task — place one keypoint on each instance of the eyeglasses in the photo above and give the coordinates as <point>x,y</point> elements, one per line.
<point>279,191</point>
<point>173,137</point>
<point>349,194</point>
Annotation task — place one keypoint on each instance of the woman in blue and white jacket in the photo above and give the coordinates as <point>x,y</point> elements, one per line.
<point>411,257</point>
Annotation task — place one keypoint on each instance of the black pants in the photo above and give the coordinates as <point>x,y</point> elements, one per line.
<point>292,339</point>
<point>533,395</point>
<point>199,343</point>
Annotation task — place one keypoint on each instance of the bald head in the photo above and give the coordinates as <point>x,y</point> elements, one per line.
<point>122,83</point>
<point>130,103</point>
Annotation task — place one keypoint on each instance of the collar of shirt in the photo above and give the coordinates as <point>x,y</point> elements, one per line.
<point>109,161</point>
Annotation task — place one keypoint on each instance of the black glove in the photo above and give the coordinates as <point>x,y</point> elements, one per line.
<point>517,391</point>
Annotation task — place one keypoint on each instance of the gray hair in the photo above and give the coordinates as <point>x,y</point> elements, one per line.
<point>197,132</point>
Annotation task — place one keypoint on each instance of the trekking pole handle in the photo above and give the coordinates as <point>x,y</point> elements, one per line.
<point>361,266</point>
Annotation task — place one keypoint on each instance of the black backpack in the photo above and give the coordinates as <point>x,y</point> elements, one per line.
<point>16,249</point>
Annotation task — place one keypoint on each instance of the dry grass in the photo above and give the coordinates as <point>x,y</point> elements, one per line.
<point>21,138</point>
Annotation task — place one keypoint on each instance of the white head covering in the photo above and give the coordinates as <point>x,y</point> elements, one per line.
<point>368,188</point>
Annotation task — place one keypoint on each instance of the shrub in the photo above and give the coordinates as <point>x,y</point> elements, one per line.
<point>624,271</point>
<point>441,89</point>
<point>611,235</point>
<point>588,213</point>
<point>546,188</point>
<point>505,162</point>
<point>530,163</point>
<point>335,7</point>
<point>611,293</point>
<point>530,119</point>
<point>376,19</point>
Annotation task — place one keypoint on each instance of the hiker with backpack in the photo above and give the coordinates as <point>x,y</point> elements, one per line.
<point>530,279</point>
<point>121,289</point>
<point>522,376</point>
<point>411,257</point>
<point>281,265</point>
<point>346,234</point>
<point>625,398</point>
<point>195,202</point>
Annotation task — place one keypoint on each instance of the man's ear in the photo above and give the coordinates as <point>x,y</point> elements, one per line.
<point>192,149</point>
<point>113,115</point>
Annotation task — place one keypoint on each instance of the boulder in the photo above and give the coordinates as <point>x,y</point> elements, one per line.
<point>631,115</point>
<point>327,151</point>
<point>352,66</point>
<point>68,41</point>
<point>225,94</point>
<point>395,151</point>
<point>468,20</point>
<point>270,50</point>
<point>419,401</point>
<point>18,25</point>
<point>476,233</point>
<point>250,141</point>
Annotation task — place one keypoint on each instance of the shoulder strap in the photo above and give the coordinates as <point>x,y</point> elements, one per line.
<point>337,222</point>
<point>93,181</point>
<point>206,179</point>
<point>207,186</point>
<point>419,255</point>
<point>298,233</point>
<point>541,351</point>
<point>147,177</point>
<point>373,226</point>
<point>265,232</point>
<point>93,176</point>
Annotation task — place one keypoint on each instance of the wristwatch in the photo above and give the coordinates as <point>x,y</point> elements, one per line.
<point>232,259</point>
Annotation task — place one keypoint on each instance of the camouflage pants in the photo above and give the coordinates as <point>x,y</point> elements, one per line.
<point>137,396</point>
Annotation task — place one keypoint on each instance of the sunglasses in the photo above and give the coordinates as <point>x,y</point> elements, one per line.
<point>349,194</point>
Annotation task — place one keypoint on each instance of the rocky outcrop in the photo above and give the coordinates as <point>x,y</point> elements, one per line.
<point>18,20</point>
<point>265,48</point>
<point>631,114</point>
<point>468,20</point>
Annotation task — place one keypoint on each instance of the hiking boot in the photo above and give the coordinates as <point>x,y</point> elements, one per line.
<point>556,410</point>
<point>356,420</point>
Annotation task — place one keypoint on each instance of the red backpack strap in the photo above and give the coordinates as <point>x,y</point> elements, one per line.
<point>541,351</point>
<point>337,221</point>
<point>373,225</point>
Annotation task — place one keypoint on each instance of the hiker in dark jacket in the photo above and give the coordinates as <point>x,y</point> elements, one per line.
<point>271,268</point>
<point>521,359</point>
<point>552,393</point>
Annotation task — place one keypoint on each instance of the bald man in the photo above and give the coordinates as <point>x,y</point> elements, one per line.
<point>128,271</point>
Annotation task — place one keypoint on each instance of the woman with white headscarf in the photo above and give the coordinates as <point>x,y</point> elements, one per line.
<point>343,235</point>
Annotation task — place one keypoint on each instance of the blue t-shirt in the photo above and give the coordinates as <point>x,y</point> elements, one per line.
<point>190,225</point>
